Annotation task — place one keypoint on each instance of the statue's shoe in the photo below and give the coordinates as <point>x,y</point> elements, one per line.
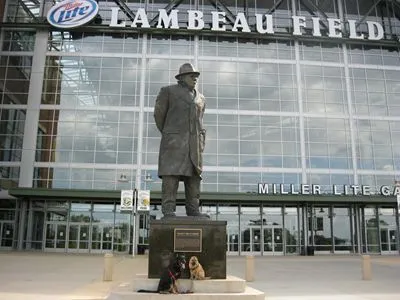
<point>199,215</point>
<point>169,215</point>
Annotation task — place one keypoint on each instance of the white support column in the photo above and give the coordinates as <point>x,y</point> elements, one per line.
<point>300,104</point>
<point>138,178</point>
<point>33,110</point>
<point>349,102</point>
<point>22,222</point>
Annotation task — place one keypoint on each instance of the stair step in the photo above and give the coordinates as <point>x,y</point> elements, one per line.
<point>248,294</point>
<point>231,284</point>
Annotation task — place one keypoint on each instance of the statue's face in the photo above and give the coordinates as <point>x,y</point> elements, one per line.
<point>190,80</point>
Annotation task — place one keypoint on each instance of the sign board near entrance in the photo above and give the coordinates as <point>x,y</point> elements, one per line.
<point>127,200</point>
<point>143,201</point>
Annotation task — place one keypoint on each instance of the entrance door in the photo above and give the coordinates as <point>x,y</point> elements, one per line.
<point>232,236</point>
<point>255,240</point>
<point>78,238</point>
<point>273,242</point>
<point>6,235</point>
<point>251,241</point>
<point>56,236</point>
<point>388,240</point>
<point>102,235</point>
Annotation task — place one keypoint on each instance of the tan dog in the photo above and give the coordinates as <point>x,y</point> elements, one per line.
<point>196,269</point>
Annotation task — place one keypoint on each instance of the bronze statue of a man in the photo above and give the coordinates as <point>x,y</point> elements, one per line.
<point>178,114</point>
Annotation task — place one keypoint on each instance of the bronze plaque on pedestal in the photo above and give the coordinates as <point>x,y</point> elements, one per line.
<point>187,240</point>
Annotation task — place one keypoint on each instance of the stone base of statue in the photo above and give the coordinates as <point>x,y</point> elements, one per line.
<point>210,289</point>
<point>191,236</point>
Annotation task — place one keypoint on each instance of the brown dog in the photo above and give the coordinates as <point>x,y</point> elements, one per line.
<point>196,269</point>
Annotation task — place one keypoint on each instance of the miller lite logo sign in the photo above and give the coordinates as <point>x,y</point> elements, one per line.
<point>72,13</point>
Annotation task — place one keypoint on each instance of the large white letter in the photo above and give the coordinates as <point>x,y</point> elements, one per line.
<point>216,20</point>
<point>263,188</point>
<point>241,22</point>
<point>195,16</point>
<point>334,26</point>
<point>385,190</point>
<point>114,18</point>
<point>353,32</point>
<point>270,27</point>
<point>316,28</point>
<point>141,18</point>
<point>298,21</point>
<point>167,20</point>
<point>372,34</point>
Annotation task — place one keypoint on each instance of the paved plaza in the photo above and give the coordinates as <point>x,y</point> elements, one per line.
<point>57,276</point>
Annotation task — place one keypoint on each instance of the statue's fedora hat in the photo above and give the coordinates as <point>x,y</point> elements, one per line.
<point>187,68</point>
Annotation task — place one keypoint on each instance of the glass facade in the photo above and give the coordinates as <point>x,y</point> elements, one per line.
<point>76,111</point>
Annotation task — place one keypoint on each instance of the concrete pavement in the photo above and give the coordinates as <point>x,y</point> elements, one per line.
<point>59,276</point>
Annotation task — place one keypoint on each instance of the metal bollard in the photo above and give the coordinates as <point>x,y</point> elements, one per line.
<point>108,267</point>
<point>366,267</point>
<point>250,268</point>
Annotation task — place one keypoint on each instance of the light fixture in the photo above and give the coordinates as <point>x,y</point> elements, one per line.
<point>148,177</point>
<point>123,178</point>
<point>321,210</point>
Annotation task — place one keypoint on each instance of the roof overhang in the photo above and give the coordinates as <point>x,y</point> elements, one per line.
<point>206,197</point>
<point>5,195</point>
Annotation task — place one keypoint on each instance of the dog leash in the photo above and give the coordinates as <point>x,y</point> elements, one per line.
<point>171,275</point>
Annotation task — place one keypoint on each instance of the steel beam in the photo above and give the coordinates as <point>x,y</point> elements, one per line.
<point>128,12</point>
<point>367,14</point>
<point>173,4</point>
<point>221,6</point>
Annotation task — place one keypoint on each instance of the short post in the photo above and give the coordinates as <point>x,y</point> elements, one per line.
<point>366,267</point>
<point>250,268</point>
<point>108,267</point>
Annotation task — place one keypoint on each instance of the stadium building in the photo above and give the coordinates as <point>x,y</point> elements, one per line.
<point>303,121</point>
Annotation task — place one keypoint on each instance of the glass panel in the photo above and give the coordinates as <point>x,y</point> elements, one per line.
<point>61,236</point>
<point>50,235</point>
<point>80,212</point>
<point>37,230</point>
<point>7,234</point>
<point>121,237</point>
<point>103,217</point>
<point>231,215</point>
<point>393,240</point>
<point>107,237</point>
<point>256,239</point>
<point>250,219</point>
<point>57,216</point>
<point>341,229</point>
<point>268,240</point>
<point>96,237</point>
<point>371,226</point>
<point>384,240</point>
<point>73,236</point>
<point>7,215</point>
<point>291,230</point>
<point>320,229</point>
<point>278,240</point>
<point>84,237</point>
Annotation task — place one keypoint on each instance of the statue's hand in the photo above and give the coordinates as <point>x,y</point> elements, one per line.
<point>202,139</point>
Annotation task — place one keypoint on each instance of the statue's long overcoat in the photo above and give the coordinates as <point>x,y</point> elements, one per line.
<point>179,118</point>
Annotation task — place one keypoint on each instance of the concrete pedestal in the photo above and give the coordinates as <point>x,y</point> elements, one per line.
<point>219,289</point>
